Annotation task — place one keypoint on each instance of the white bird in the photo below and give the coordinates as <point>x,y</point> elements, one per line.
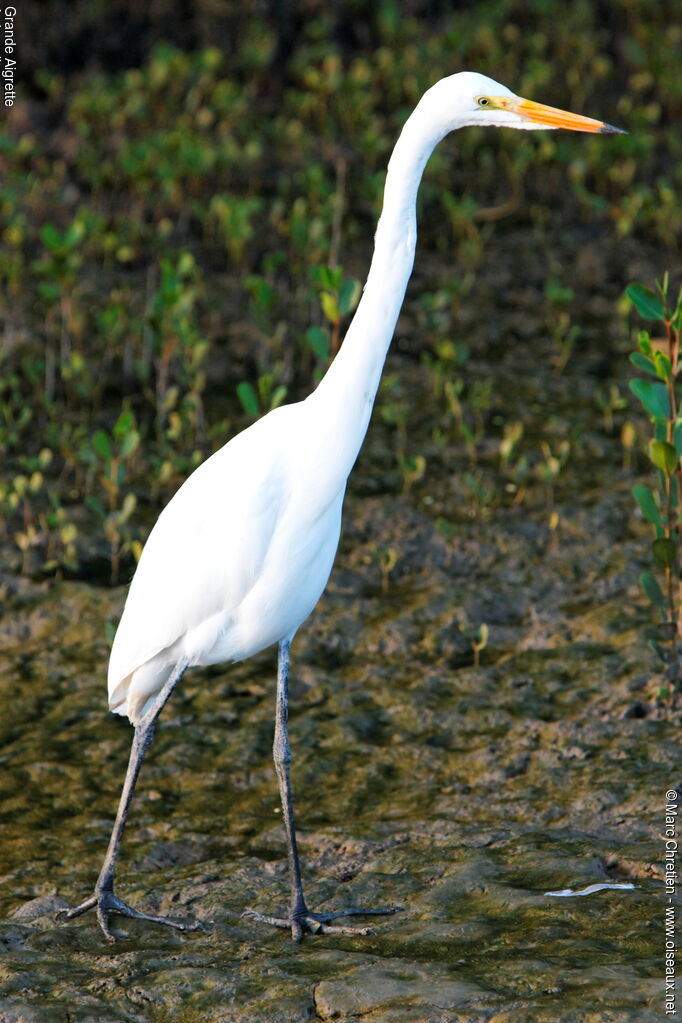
<point>242,553</point>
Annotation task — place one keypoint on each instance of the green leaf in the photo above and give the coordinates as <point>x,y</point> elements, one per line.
<point>264,388</point>
<point>261,292</point>
<point>647,303</point>
<point>644,343</point>
<point>664,456</point>
<point>651,587</point>
<point>643,363</point>
<point>74,234</point>
<point>677,436</point>
<point>664,551</point>
<point>128,507</point>
<point>318,340</point>
<point>49,290</point>
<point>349,295</point>
<point>653,396</point>
<point>124,423</point>
<point>278,396</point>
<point>663,287</point>
<point>185,264</point>
<point>327,277</point>
<point>677,315</point>
<point>130,444</point>
<point>51,238</point>
<point>647,504</point>
<point>101,444</point>
<point>663,366</point>
<point>482,637</point>
<point>330,306</point>
<point>96,506</point>
<point>248,397</point>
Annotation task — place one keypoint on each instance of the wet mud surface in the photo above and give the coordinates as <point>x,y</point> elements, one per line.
<point>461,792</point>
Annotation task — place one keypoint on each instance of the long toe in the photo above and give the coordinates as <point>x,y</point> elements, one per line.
<point>71,914</point>
<point>105,902</point>
<point>319,923</point>
<point>335,914</point>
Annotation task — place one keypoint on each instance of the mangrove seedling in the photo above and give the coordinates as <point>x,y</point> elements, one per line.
<point>660,393</point>
<point>58,271</point>
<point>179,351</point>
<point>111,454</point>
<point>477,637</point>
<point>266,396</point>
<point>339,296</point>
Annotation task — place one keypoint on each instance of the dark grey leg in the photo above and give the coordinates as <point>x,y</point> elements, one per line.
<point>281,752</point>
<point>300,917</point>
<point>103,898</point>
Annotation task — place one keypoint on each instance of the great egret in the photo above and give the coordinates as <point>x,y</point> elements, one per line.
<point>241,554</point>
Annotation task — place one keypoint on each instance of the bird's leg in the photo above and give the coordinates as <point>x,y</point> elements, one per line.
<point>281,752</point>
<point>300,917</point>
<point>103,899</point>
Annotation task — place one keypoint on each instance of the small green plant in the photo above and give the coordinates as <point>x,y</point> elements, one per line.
<point>387,559</point>
<point>110,456</point>
<point>412,468</point>
<point>564,334</point>
<point>549,468</point>
<point>513,463</point>
<point>478,638</point>
<point>461,211</point>
<point>468,407</point>
<point>58,271</point>
<point>660,394</point>
<point>480,490</point>
<point>339,296</point>
<point>178,348</point>
<point>233,217</point>
<point>610,402</point>
<point>266,396</point>
<point>262,299</point>
<point>46,538</point>
<point>16,415</point>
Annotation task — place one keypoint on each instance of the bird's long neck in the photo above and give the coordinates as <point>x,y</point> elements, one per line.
<point>347,391</point>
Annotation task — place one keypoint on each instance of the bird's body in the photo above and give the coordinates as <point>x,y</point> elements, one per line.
<point>235,562</point>
<point>241,554</point>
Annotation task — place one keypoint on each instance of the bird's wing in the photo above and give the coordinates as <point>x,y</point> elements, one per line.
<point>207,547</point>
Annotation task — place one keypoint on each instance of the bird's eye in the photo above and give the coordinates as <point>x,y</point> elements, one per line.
<point>483,101</point>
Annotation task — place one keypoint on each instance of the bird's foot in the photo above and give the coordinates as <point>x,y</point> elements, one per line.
<point>105,902</point>
<point>319,923</point>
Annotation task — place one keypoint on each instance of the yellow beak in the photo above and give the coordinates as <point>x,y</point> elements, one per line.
<point>553,118</point>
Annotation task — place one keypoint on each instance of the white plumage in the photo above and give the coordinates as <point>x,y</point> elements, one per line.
<point>236,561</point>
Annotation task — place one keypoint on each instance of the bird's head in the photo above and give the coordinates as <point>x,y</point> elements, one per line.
<point>469,98</point>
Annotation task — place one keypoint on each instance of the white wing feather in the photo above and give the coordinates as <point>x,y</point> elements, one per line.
<point>206,548</point>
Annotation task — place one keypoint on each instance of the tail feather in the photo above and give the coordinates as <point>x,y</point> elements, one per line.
<point>134,694</point>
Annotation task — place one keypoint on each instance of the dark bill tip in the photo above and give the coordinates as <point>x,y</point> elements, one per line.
<point>609,129</point>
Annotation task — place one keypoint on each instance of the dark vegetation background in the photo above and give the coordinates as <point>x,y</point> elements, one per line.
<point>175,176</point>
